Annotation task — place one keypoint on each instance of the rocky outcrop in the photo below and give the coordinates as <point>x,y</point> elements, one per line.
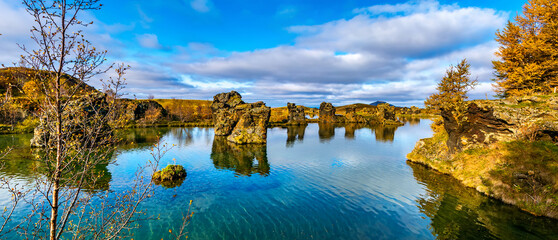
<point>145,106</point>
<point>386,115</point>
<point>409,111</point>
<point>171,176</point>
<point>296,115</point>
<point>252,123</point>
<point>503,148</point>
<point>82,118</point>
<point>352,117</point>
<point>223,112</point>
<point>493,121</point>
<point>327,113</point>
<point>141,110</point>
<point>242,123</point>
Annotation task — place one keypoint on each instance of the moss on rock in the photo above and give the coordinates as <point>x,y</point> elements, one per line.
<point>170,176</point>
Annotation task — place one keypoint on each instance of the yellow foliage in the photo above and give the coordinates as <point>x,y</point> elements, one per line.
<point>452,90</point>
<point>529,51</point>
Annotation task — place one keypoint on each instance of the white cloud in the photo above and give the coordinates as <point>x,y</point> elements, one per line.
<point>149,41</point>
<point>15,28</point>
<point>293,64</point>
<point>415,35</point>
<point>385,52</point>
<point>406,8</point>
<point>200,5</point>
<point>287,11</point>
<point>398,58</point>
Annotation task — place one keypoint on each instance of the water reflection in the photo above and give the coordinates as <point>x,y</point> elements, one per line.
<point>458,212</point>
<point>350,129</point>
<point>413,121</point>
<point>140,138</point>
<point>24,162</point>
<point>295,133</point>
<point>384,133</point>
<point>326,131</point>
<point>242,159</point>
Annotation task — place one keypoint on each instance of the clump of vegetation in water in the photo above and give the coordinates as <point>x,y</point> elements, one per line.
<point>170,176</point>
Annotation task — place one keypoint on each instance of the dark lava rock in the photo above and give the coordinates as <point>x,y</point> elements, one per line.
<point>296,115</point>
<point>242,123</point>
<point>82,118</point>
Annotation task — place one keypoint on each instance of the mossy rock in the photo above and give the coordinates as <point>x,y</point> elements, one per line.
<point>170,176</point>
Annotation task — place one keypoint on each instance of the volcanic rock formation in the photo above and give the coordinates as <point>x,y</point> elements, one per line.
<point>352,117</point>
<point>327,113</point>
<point>296,115</point>
<point>241,122</point>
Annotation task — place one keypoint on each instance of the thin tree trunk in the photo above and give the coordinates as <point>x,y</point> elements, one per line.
<point>58,112</point>
<point>56,178</point>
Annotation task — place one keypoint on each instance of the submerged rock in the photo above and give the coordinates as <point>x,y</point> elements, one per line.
<point>241,122</point>
<point>296,115</point>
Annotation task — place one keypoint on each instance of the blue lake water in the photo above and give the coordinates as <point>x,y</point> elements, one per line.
<point>314,182</point>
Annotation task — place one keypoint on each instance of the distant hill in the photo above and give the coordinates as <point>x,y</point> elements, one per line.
<point>17,77</point>
<point>376,103</point>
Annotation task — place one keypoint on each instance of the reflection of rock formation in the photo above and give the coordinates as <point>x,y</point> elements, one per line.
<point>459,212</point>
<point>240,158</point>
<point>352,117</point>
<point>182,135</point>
<point>296,115</point>
<point>327,113</point>
<point>326,130</point>
<point>413,121</point>
<point>350,129</point>
<point>139,138</point>
<point>242,123</point>
<point>385,133</point>
<point>294,133</point>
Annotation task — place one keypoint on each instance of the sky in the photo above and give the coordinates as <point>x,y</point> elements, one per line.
<point>280,51</point>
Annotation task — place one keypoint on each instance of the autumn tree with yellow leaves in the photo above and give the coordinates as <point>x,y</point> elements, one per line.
<point>529,51</point>
<point>452,90</point>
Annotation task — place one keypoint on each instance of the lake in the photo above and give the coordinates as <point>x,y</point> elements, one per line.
<point>314,182</point>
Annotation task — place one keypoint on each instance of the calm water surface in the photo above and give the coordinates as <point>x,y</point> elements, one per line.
<point>314,182</point>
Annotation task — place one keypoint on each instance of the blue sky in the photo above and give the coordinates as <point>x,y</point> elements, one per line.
<point>277,51</point>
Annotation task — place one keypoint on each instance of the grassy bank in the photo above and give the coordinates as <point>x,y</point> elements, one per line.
<point>521,173</point>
